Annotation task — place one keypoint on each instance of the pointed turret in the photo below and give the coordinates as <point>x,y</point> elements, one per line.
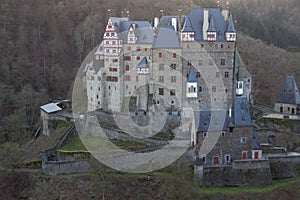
<point>187,33</point>
<point>191,86</point>
<point>143,67</point>
<point>230,33</point>
<point>211,31</point>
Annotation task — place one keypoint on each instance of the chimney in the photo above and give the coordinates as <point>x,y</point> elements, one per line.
<point>225,14</point>
<point>156,22</point>
<point>205,24</point>
<point>174,23</point>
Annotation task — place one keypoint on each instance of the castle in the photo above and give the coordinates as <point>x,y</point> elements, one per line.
<point>179,61</point>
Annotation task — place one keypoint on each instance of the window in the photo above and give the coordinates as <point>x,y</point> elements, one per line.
<point>204,134</point>
<point>128,48</point>
<point>227,159</point>
<point>173,66</point>
<point>161,91</point>
<point>106,42</point>
<point>113,69</point>
<point>114,42</point>
<point>200,88</point>
<point>115,60</point>
<point>161,66</point>
<point>211,62</point>
<point>161,79</point>
<point>112,34</point>
<point>146,49</point>
<point>217,74</point>
<point>223,62</point>
<point>160,54</point>
<point>138,49</point>
<point>172,92</point>
<point>107,34</point>
<point>138,58</point>
<point>127,67</point>
<point>99,88</point>
<point>226,74</point>
<point>222,46</point>
<point>174,55</point>
<point>243,140</point>
<point>200,63</point>
<point>173,79</point>
<point>214,88</point>
<point>97,96</point>
<point>126,78</point>
<point>127,58</point>
<point>189,63</point>
<point>198,75</point>
<point>192,89</point>
<point>136,78</point>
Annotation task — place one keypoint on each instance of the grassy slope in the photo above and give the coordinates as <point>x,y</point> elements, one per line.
<point>162,185</point>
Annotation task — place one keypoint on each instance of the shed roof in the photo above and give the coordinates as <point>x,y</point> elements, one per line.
<point>51,108</point>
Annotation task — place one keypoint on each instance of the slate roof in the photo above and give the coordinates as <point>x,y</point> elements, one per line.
<point>211,120</point>
<point>241,112</point>
<point>187,26</point>
<point>143,31</point>
<point>100,50</point>
<point>211,27</point>
<point>288,92</point>
<point>230,27</point>
<point>196,17</point>
<point>192,76</point>
<point>97,64</point>
<point>143,63</point>
<point>239,67</point>
<point>166,38</point>
<point>255,141</point>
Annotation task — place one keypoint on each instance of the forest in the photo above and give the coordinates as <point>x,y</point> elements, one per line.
<point>43,42</point>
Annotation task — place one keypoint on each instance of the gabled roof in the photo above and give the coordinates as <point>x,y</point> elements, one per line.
<point>187,27</point>
<point>211,120</point>
<point>197,17</point>
<point>288,92</point>
<point>143,31</point>
<point>230,27</point>
<point>192,76</point>
<point>241,112</point>
<point>143,63</point>
<point>211,27</point>
<point>166,38</point>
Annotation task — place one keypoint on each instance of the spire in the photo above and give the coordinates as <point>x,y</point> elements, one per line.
<point>230,27</point>
<point>143,63</point>
<point>192,76</point>
<point>212,27</point>
<point>187,27</point>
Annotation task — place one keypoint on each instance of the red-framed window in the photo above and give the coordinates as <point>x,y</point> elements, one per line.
<point>160,54</point>
<point>127,67</point>
<point>174,55</point>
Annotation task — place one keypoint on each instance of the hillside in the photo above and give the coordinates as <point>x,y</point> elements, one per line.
<point>268,64</point>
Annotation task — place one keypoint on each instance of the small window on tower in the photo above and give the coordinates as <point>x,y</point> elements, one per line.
<point>174,55</point>
<point>172,92</point>
<point>198,75</point>
<point>189,63</point>
<point>226,74</point>
<point>223,62</point>
<point>127,67</point>
<point>161,91</point>
<point>214,88</point>
<point>160,54</point>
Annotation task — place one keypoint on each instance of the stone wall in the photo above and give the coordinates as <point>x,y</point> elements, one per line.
<point>244,173</point>
<point>67,167</point>
<point>285,166</point>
